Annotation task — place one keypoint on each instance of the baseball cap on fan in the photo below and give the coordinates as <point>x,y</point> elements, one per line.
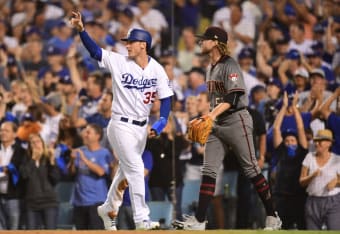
<point>214,33</point>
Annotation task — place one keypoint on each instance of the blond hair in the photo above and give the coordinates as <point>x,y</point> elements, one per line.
<point>223,48</point>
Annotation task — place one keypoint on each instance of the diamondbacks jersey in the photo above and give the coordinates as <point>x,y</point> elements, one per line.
<point>135,89</point>
<point>223,78</point>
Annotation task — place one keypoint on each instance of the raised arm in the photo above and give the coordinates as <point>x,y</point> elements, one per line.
<point>91,46</point>
<point>277,137</point>
<point>299,123</point>
<point>324,109</point>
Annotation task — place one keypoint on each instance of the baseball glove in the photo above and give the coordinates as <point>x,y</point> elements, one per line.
<point>199,129</point>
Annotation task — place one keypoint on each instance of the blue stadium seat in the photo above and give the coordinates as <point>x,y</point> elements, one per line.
<point>190,195</point>
<point>161,210</point>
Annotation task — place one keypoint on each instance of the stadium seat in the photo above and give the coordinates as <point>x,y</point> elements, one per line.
<point>161,211</point>
<point>65,216</point>
<point>64,191</point>
<point>190,195</point>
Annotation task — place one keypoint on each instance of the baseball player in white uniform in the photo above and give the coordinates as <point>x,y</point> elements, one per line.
<point>137,80</point>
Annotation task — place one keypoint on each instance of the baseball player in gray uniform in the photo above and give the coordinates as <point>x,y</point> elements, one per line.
<point>137,79</point>
<point>233,127</point>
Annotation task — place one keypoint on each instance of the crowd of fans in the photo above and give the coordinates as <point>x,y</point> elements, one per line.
<point>55,103</point>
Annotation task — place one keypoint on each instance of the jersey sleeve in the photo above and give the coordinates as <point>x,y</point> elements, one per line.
<point>234,81</point>
<point>110,60</point>
<point>164,88</point>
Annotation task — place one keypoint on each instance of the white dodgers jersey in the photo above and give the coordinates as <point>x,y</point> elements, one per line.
<point>135,89</point>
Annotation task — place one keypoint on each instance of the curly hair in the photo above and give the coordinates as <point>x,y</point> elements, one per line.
<point>223,48</point>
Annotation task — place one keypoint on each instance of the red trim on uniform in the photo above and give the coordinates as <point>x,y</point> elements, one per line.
<point>263,188</point>
<point>248,143</point>
<point>207,192</point>
<point>261,181</point>
<point>208,185</point>
<point>235,90</point>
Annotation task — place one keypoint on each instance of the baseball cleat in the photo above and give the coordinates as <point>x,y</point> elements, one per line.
<point>189,223</point>
<point>147,225</point>
<point>109,219</point>
<point>273,223</point>
<point>176,224</point>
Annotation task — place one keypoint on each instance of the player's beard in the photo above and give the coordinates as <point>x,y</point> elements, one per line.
<point>206,51</point>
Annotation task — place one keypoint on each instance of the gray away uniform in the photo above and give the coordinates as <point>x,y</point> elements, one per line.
<point>232,128</point>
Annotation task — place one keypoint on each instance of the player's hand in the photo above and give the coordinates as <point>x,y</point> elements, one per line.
<point>76,21</point>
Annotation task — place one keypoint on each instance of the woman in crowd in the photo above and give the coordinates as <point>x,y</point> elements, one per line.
<point>40,175</point>
<point>291,147</point>
<point>320,173</point>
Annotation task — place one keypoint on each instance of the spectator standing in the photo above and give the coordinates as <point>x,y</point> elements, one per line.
<point>12,156</point>
<point>190,48</point>
<point>90,165</point>
<point>290,147</point>
<point>166,160</point>
<point>332,119</point>
<point>40,175</point>
<point>320,174</point>
<point>196,82</point>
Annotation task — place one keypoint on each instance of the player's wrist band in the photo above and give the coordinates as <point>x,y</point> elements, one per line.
<point>159,125</point>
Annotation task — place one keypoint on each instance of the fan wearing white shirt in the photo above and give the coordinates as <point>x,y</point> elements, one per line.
<point>320,173</point>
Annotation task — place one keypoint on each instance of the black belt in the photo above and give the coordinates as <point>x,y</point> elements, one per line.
<point>134,122</point>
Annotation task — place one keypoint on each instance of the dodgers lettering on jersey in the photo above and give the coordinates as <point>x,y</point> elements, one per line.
<point>141,84</point>
<point>135,89</point>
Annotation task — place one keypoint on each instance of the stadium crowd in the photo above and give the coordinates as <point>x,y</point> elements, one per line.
<point>55,104</point>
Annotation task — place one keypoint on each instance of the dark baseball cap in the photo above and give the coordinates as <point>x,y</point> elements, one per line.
<point>246,53</point>
<point>196,69</point>
<point>214,33</point>
<point>53,50</point>
<point>275,81</point>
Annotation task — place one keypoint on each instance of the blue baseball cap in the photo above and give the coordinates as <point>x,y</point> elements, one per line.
<point>246,53</point>
<point>318,28</point>
<point>52,50</point>
<point>289,132</point>
<point>65,78</point>
<point>275,81</point>
<point>127,12</point>
<point>289,10</point>
<point>27,117</point>
<point>317,45</point>
<point>293,54</point>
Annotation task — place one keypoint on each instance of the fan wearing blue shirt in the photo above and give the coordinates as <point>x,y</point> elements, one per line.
<point>332,120</point>
<point>90,165</point>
